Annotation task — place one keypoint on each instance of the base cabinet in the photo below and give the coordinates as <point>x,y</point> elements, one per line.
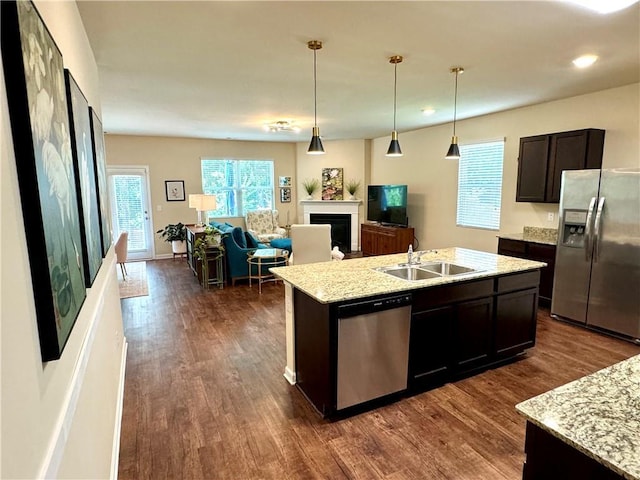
<point>538,252</point>
<point>383,240</point>
<point>549,457</point>
<point>455,330</point>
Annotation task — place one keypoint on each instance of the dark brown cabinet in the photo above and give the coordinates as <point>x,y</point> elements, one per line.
<point>539,252</point>
<point>543,158</point>
<point>384,240</point>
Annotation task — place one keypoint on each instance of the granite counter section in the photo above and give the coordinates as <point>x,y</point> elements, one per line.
<point>546,236</point>
<point>598,414</point>
<point>336,281</point>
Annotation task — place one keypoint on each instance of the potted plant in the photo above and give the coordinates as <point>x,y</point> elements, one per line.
<point>310,185</point>
<point>352,187</point>
<point>176,234</point>
<point>212,238</point>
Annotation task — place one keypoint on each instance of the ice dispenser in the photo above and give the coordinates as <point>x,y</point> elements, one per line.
<point>573,228</point>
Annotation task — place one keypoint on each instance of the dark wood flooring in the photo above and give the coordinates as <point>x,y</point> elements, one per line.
<point>205,397</point>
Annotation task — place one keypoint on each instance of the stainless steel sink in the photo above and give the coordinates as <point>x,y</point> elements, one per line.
<point>446,268</point>
<point>413,272</point>
<point>425,271</point>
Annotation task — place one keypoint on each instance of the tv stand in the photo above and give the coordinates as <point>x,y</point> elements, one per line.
<point>382,239</point>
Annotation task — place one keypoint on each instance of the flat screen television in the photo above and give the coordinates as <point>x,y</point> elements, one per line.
<point>387,204</point>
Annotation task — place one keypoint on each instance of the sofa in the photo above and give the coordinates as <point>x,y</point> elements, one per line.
<point>237,245</point>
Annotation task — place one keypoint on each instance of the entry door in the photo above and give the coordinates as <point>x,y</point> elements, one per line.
<point>130,212</point>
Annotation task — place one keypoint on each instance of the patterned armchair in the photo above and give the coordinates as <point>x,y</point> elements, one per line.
<point>264,225</point>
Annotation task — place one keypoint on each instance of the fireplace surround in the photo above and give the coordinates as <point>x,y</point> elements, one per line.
<point>335,207</point>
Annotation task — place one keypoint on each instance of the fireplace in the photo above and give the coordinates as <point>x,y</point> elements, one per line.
<point>348,208</point>
<point>340,228</point>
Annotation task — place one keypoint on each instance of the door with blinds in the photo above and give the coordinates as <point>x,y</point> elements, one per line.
<point>130,209</point>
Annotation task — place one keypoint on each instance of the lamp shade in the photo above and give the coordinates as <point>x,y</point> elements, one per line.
<point>394,147</point>
<point>454,152</point>
<point>207,203</point>
<point>315,147</point>
<point>194,200</point>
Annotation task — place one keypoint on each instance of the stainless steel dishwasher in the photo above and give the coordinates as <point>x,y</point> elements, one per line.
<point>373,349</point>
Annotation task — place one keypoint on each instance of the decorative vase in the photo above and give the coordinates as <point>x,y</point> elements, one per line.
<point>309,197</point>
<point>352,197</point>
<point>179,246</point>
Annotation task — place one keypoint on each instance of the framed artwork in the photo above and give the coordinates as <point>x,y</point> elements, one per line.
<point>285,182</point>
<point>285,195</point>
<point>99,158</point>
<point>34,77</point>
<point>174,189</point>
<point>332,188</point>
<point>84,170</point>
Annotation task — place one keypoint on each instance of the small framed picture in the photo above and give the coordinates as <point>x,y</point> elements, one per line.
<point>285,181</point>
<point>174,190</point>
<point>285,195</point>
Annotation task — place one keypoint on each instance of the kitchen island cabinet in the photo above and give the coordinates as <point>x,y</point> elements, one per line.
<point>459,324</point>
<point>586,429</point>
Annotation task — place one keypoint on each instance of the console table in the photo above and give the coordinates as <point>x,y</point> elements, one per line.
<point>210,272</point>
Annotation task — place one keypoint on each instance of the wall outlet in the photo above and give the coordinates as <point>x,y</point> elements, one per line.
<point>159,208</point>
<point>550,216</point>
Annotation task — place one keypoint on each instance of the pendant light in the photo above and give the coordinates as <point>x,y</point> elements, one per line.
<point>315,147</point>
<point>394,147</point>
<point>454,151</point>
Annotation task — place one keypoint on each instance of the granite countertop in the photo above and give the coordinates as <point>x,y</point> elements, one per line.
<point>546,236</point>
<point>598,414</point>
<point>336,281</point>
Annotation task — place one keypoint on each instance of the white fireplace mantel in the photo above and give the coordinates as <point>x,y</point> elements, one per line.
<point>338,207</point>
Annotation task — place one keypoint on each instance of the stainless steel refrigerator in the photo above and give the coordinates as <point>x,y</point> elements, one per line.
<point>597,272</point>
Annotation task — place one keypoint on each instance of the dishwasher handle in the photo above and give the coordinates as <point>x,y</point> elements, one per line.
<point>372,306</point>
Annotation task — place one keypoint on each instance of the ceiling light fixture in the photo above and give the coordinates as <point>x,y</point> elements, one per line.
<point>315,147</point>
<point>281,126</point>
<point>394,146</point>
<point>454,151</point>
<point>585,61</point>
<point>428,111</point>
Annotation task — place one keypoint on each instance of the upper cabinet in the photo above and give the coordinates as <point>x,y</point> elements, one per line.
<point>543,158</point>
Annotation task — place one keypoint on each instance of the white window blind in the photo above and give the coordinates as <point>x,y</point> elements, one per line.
<point>480,185</point>
<point>239,185</point>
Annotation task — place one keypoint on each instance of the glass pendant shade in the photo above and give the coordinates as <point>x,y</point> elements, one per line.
<point>454,151</point>
<point>315,147</point>
<point>394,147</point>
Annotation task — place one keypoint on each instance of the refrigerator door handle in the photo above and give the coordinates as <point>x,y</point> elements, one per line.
<point>588,234</point>
<point>596,230</point>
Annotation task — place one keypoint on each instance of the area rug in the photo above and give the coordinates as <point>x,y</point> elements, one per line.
<point>135,283</point>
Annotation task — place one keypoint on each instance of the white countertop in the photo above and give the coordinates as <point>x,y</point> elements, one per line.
<point>598,414</point>
<point>336,281</point>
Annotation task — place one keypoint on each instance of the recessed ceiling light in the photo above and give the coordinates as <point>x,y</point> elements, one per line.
<point>585,61</point>
<point>428,111</point>
<point>604,6</point>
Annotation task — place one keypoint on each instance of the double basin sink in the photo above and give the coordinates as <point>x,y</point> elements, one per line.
<point>427,270</point>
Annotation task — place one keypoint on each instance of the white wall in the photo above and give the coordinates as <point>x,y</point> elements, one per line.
<point>58,418</point>
<point>433,181</point>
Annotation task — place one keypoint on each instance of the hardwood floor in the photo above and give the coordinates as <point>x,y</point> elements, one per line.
<point>205,397</point>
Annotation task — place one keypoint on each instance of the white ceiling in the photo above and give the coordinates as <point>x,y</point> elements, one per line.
<point>223,69</point>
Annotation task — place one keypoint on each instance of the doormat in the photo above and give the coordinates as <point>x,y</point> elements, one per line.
<point>135,283</point>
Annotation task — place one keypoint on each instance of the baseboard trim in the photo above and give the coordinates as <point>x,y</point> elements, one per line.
<point>290,375</point>
<point>115,450</point>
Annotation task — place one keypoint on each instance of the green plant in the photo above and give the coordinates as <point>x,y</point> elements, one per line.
<point>352,186</point>
<point>173,232</point>
<point>212,238</point>
<point>311,185</point>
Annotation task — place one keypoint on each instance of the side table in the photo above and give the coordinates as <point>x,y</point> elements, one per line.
<point>212,267</point>
<point>265,258</point>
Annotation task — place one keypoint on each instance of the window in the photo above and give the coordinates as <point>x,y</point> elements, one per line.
<point>239,185</point>
<point>480,185</point>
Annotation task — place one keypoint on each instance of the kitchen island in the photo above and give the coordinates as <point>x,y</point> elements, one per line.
<point>589,428</point>
<point>455,324</point>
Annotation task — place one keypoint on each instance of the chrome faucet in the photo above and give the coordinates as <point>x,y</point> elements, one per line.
<point>414,258</point>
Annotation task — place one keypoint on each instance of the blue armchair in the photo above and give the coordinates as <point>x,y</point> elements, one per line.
<point>237,244</point>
